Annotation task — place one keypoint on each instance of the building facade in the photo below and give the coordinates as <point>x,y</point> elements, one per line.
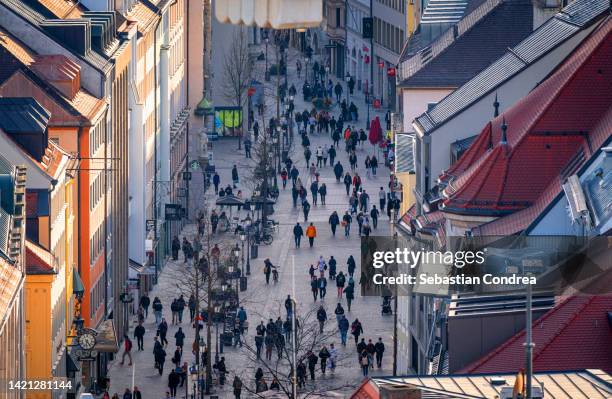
<point>12,277</point>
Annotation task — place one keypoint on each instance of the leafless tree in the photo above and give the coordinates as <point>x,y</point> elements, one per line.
<point>237,72</point>
<point>308,337</point>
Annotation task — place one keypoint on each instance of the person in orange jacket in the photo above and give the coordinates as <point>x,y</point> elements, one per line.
<point>311,233</point>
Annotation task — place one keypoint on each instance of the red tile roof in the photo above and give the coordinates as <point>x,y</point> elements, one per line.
<point>576,334</point>
<point>367,390</point>
<point>549,131</point>
<point>10,278</point>
<point>38,259</point>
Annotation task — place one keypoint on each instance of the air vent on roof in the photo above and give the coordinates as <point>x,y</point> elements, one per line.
<point>103,28</point>
<point>74,33</point>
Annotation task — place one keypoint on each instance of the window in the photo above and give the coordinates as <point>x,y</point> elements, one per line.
<point>338,19</point>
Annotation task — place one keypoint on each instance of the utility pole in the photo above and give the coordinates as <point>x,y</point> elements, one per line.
<point>371,88</point>
<point>294,387</point>
<point>528,344</point>
<point>394,236</point>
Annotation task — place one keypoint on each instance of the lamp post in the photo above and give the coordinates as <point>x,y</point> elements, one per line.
<point>278,153</point>
<point>275,143</point>
<point>394,236</point>
<point>367,98</point>
<point>347,78</point>
<point>247,224</point>
<point>242,238</point>
<point>267,73</point>
<point>200,369</point>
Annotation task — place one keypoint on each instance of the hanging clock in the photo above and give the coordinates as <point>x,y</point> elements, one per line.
<point>87,340</point>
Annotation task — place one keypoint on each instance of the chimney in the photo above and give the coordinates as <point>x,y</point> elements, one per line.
<point>504,129</point>
<point>496,106</point>
<point>61,72</point>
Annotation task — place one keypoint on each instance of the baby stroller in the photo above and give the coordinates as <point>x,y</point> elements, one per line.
<point>386,306</point>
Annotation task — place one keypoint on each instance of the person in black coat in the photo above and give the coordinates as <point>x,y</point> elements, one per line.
<point>312,363</point>
<point>298,233</point>
<point>338,170</point>
<point>145,302</point>
<point>173,381</point>
<point>334,221</point>
<point>379,348</point>
<point>139,333</point>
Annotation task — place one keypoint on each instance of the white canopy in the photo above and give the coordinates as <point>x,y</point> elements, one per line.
<point>277,14</point>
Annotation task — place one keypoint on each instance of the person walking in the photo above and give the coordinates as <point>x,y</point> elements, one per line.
<point>216,182</point>
<point>356,330</point>
<point>269,342</point>
<point>139,332</point>
<point>374,164</point>
<point>267,269</point>
<point>157,310</point>
<point>332,267</point>
<point>145,302</point>
<point>338,91</point>
<point>340,282</point>
<point>162,331</point>
<point>334,221</point>
<point>322,318</point>
<point>314,287</point>
<point>192,308</point>
<point>186,250</point>
<point>339,312</point>
<point>284,175</point>
<point>305,209</point>
<point>312,363</point>
<point>247,147</point>
<point>348,180</point>
<point>174,310</point>
<point>319,155</point>
<point>322,287</point>
<point>294,173</point>
<point>176,247</point>
<point>179,336</point>
<point>374,215</point>
<point>364,363</point>
<point>379,348</point>
<point>323,193</point>
<point>370,351</point>
<point>346,222</point>
<point>343,326</point>
<point>314,191</point>
<point>349,292</point>
<point>160,356</point>
<point>323,356</point>
<point>173,381</point>
<point>235,178</point>
<point>311,233</point>
<point>298,232</point>
<point>127,350</point>
<point>237,386</point>
<point>382,198</point>
<point>351,265</point>
<point>259,341</point>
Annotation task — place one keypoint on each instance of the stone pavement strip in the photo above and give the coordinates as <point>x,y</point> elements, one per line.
<point>262,301</point>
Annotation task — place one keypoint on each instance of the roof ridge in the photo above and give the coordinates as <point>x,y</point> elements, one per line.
<point>443,42</point>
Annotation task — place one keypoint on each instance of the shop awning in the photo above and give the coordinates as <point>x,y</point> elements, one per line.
<point>106,340</point>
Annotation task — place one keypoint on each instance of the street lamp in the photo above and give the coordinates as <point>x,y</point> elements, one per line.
<point>201,368</point>
<point>267,73</point>
<point>242,238</point>
<point>217,309</point>
<point>247,224</point>
<point>348,79</point>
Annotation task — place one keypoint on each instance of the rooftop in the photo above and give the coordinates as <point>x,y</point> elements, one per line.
<point>554,130</point>
<point>575,17</point>
<point>575,334</point>
<point>38,259</point>
<point>470,46</point>
<point>582,384</point>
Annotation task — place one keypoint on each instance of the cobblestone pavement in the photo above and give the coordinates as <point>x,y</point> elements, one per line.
<point>262,301</point>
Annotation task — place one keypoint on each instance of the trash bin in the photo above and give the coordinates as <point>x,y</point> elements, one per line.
<point>243,284</point>
<point>254,251</point>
